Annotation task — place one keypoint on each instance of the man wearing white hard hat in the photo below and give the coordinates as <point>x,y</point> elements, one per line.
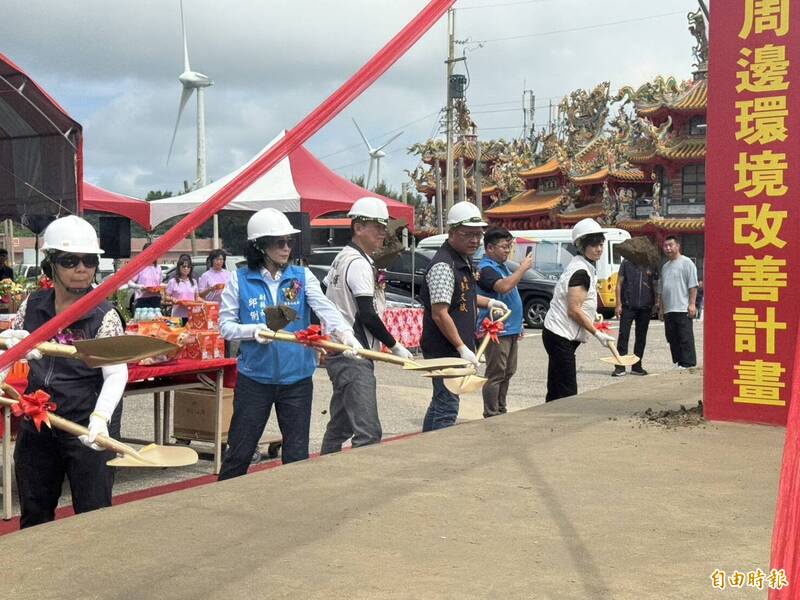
<point>272,373</point>
<point>352,284</point>
<point>88,396</point>
<point>573,311</point>
<point>449,295</point>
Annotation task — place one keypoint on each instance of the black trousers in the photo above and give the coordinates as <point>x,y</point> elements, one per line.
<point>562,378</point>
<point>252,404</point>
<point>680,336</point>
<point>640,316</point>
<point>42,460</point>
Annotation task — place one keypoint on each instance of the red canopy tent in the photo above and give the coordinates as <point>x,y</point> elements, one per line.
<point>300,182</point>
<point>100,200</point>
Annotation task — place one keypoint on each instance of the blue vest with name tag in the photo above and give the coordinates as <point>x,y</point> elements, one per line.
<point>279,363</point>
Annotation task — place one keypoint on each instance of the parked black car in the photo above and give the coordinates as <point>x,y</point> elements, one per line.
<point>535,288</point>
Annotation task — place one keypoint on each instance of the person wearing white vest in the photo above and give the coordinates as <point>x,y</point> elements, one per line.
<point>352,285</point>
<point>573,309</point>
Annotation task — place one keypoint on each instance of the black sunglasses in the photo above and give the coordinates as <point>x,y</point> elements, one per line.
<point>70,261</point>
<point>280,242</point>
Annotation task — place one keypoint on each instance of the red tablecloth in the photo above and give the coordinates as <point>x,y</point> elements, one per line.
<point>184,367</point>
<point>405,324</point>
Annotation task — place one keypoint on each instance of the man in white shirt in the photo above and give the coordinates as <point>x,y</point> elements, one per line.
<point>352,284</point>
<point>677,301</point>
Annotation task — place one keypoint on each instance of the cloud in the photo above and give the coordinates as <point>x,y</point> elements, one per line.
<point>114,67</point>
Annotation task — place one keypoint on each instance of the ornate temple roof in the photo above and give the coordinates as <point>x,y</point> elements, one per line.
<point>631,175</point>
<point>684,148</point>
<point>527,203</point>
<point>551,167</point>
<point>685,225</point>
<point>590,211</point>
<point>693,100</point>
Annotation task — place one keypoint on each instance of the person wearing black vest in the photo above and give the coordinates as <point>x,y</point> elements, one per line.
<point>449,295</point>
<point>87,396</point>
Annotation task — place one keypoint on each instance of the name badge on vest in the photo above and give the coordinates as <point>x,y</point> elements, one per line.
<point>256,307</point>
<point>292,291</point>
<point>464,289</point>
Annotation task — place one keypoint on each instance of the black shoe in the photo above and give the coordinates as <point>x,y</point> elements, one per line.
<point>618,372</point>
<point>639,371</point>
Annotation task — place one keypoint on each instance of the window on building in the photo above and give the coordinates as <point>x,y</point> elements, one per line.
<point>549,184</point>
<point>697,125</point>
<point>693,179</point>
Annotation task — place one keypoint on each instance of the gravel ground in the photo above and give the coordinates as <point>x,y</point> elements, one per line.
<point>403,398</point>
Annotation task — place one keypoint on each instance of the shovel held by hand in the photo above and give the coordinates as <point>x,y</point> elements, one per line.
<point>101,352</point>
<point>473,383</point>
<point>149,456</point>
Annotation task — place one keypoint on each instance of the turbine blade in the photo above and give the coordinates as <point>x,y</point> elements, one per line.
<point>185,95</point>
<point>369,172</point>
<point>391,139</point>
<point>186,66</point>
<point>363,137</point>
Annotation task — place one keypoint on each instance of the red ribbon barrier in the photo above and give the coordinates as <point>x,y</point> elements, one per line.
<point>312,123</point>
<point>492,329</point>
<point>35,406</point>
<point>311,336</point>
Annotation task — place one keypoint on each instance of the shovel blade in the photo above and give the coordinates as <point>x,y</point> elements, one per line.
<point>121,349</point>
<point>624,361</point>
<point>279,316</point>
<point>465,385</point>
<point>426,364</point>
<point>451,372</point>
<point>157,456</point>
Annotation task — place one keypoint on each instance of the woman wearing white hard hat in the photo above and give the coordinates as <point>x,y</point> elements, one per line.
<point>82,394</point>
<point>272,373</point>
<point>571,318</point>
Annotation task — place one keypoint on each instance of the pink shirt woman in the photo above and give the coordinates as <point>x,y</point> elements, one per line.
<point>182,286</point>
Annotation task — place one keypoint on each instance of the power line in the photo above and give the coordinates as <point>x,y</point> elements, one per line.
<point>360,162</point>
<point>584,28</point>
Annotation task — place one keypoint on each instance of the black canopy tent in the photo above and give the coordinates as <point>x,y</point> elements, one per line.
<point>40,153</point>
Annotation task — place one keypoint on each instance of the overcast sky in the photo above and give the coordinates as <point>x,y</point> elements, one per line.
<point>114,66</point>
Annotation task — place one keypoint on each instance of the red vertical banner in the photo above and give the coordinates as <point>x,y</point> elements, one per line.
<point>752,263</point>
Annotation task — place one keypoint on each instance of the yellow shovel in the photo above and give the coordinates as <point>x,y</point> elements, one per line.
<point>149,456</point>
<point>621,361</point>
<point>410,364</point>
<point>101,352</point>
<point>472,383</point>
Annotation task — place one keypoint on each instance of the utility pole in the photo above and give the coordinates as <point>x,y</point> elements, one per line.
<point>451,32</point>
<point>437,173</point>
<point>532,109</point>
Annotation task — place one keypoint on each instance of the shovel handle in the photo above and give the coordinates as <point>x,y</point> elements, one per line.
<point>615,352</point>
<point>50,349</point>
<point>78,430</point>
<point>486,337</point>
<point>282,336</point>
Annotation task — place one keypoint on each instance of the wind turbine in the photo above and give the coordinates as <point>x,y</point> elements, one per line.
<point>375,156</point>
<point>191,81</point>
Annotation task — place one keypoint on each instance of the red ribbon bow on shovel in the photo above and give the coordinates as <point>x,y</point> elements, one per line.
<point>311,336</point>
<point>35,406</point>
<point>492,329</point>
<point>603,326</point>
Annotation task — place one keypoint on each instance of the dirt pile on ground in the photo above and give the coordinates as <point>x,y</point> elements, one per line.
<point>679,417</point>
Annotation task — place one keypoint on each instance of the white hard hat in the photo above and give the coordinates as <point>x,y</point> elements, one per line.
<point>71,234</point>
<point>269,222</point>
<point>370,209</point>
<point>586,227</point>
<point>466,214</point>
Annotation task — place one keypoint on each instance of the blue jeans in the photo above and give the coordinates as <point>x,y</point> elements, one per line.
<point>252,403</point>
<point>443,408</point>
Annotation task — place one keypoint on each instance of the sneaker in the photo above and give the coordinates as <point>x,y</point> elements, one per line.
<point>618,372</point>
<point>639,371</point>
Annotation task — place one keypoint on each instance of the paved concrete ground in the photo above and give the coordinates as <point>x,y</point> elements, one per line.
<point>403,399</point>
<point>574,499</point>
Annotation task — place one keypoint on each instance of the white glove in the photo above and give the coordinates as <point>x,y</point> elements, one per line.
<point>497,305</point>
<point>467,354</point>
<point>348,339</point>
<point>258,330</point>
<point>98,425</point>
<point>13,337</point>
<point>399,350</point>
<point>604,338</point>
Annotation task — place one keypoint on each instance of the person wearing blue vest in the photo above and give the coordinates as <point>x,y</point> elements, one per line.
<point>273,373</point>
<point>497,281</point>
